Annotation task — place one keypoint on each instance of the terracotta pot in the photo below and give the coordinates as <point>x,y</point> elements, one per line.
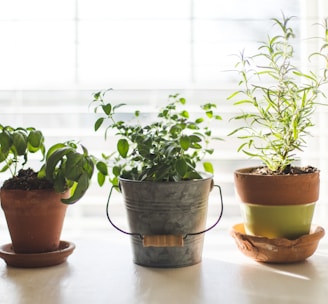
<point>277,189</point>
<point>34,218</point>
<point>277,206</point>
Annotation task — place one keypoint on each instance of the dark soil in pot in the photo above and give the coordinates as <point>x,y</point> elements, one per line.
<point>289,170</point>
<point>26,179</point>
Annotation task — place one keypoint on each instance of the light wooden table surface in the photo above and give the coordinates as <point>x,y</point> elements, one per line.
<point>101,270</point>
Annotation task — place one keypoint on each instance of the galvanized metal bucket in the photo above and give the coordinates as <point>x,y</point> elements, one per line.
<point>167,220</point>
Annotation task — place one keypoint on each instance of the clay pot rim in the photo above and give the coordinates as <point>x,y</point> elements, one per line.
<point>266,189</point>
<point>32,190</point>
<point>278,205</point>
<point>248,172</point>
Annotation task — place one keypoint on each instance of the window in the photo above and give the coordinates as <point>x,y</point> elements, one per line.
<point>55,56</point>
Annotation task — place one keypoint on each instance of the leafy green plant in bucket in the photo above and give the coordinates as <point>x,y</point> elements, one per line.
<point>278,100</point>
<point>167,149</point>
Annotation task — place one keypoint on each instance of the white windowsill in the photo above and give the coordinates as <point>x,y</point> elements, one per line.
<point>101,270</point>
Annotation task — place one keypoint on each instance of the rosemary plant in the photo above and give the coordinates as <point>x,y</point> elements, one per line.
<point>277,98</point>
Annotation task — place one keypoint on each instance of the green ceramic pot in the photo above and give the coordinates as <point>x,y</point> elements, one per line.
<point>289,221</point>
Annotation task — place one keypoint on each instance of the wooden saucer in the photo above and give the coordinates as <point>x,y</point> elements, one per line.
<point>34,260</point>
<point>278,250</point>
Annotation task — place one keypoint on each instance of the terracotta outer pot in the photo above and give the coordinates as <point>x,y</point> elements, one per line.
<point>34,218</point>
<point>277,189</point>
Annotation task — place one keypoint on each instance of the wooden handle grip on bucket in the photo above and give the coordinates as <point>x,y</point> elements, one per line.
<point>165,240</point>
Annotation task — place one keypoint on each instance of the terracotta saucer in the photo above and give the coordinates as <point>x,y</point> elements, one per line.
<point>278,250</point>
<point>33,260</point>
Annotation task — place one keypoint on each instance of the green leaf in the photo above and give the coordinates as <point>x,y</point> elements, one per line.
<point>53,159</point>
<point>35,139</point>
<point>6,141</point>
<point>88,164</point>
<point>181,167</point>
<point>118,106</point>
<point>42,172</point>
<point>73,165</point>
<point>59,182</point>
<point>185,142</point>
<point>115,182</point>
<point>96,95</point>
<point>20,143</point>
<point>79,190</point>
<point>184,114</point>
<point>116,170</point>
<point>194,138</point>
<point>208,167</point>
<point>123,147</point>
<point>99,122</point>
<point>195,145</point>
<point>101,178</point>
<point>54,148</point>
<point>107,108</point>
<point>102,167</point>
<point>193,126</point>
<point>6,167</point>
<point>209,114</point>
<point>192,175</point>
<point>182,100</point>
<point>234,94</point>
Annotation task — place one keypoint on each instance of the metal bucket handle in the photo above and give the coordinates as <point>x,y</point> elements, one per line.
<point>163,240</point>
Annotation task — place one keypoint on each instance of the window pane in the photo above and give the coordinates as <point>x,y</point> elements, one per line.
<point>54,57</point>
<point>141,51</point>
